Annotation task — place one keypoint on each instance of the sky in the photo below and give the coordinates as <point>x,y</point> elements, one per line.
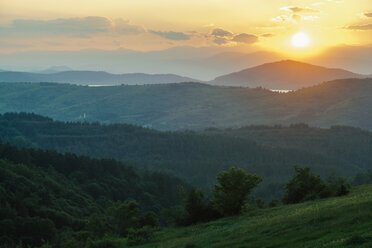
<point>147,25</point>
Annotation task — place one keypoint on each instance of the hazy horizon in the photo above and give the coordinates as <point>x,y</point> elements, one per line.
<point>201,41</point>
<point>203,63</point>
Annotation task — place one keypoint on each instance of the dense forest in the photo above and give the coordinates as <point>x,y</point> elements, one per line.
<point>194,105</point>
<point>197,157</point>
<point>47,197</point>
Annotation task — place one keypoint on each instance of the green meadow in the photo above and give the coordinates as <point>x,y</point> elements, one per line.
<point>332,223</point>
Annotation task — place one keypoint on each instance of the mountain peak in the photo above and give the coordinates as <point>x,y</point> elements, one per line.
<point>284,75</point>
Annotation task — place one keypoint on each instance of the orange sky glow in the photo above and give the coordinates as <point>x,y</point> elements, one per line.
<point>145,25</point>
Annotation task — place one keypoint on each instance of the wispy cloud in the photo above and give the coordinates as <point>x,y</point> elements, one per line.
<point>268,35</point>
<point>281,18</point>
<point>295,9</point>
<point>368,14</point>
<point>245,38</point>
<point>5,44</point>
<point>296,17</point>
<point>74,27</point>
<point>171,35</point>
<point>220,41</point>
<point>70,26</point>
<point>125,27</point>
<point>219,32</point>
<point>310,18</point>
<point>224,37</point>
<point>360,27</point>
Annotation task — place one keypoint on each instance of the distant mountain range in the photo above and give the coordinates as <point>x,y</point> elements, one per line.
<point>54,69</point>
<point>91,77</point>
<point>205,63</point>
<point>283,75</point>
<point>195,105</point>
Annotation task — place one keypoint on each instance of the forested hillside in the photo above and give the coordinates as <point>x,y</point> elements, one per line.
<point>194,105</point>
<point>46,196</point>
<point>348,143</point>
<point>198,156</point>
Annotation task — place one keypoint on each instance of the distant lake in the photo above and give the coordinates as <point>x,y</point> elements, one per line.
<point>281,91</point>
<point>102,85</point>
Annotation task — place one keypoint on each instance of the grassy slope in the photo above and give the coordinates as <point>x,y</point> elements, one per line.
<point>336,222</point>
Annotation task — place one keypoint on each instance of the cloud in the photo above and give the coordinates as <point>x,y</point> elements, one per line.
<point>4,44</point>
<point>284,18</point>
<point>83,27</point>
<point>171,35</point>
<point>296,18</point>
<point>281,18</point>
<point>368,14</point>
<point>125,27</point>
<point>221,41</point>
<point>360,27</point>
<point>70,26</point>
<point>310,18</point>
<point>318,3</point>
<point>218,32</point>
<point>245,38</point>
<point>295,9</point>
<point>267,35</point>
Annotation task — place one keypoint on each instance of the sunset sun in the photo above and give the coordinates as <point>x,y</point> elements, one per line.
<point>300,39</point>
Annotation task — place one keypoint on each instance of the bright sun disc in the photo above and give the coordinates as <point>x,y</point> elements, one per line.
<point>300,39</point>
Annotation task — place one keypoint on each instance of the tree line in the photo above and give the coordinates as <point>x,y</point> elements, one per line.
<point>197,156</point>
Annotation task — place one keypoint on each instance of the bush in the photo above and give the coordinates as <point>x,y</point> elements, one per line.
<point>274,202</point>
<point>97,225</point>
<point>106,242</point>
<point>230,194</point>
<point>140,235</point>
<point>123,216</point>
<point>337,186</point>
<point>149,219</point>
<point>196,208</point>
<point>356,239</point>
<point>305,186</point>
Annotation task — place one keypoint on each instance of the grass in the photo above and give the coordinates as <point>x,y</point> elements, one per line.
<point>332,223</point>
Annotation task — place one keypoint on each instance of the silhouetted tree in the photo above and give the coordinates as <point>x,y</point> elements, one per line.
<point>303,186</point>
<point>230,194</point>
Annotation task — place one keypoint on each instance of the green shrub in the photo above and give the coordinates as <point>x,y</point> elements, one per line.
<point>303,186</point>
<point>356,239</point>
<point>274,202</point>
<point>106,242</point>
<point>140,235</point>
<point>230,194</point>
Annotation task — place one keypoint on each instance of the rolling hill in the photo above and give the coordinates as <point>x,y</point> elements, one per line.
<point>92,78</point>
<point>283,75</point>
<point>194,105</point>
